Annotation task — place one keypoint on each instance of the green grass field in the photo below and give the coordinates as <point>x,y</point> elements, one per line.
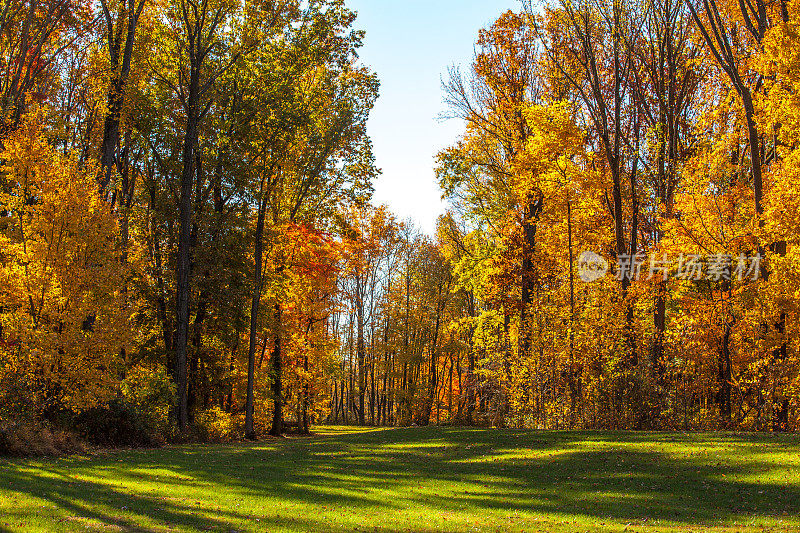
<point>420,480</point>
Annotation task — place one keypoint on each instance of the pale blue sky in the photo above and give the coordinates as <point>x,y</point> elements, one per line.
<point>410,44</point>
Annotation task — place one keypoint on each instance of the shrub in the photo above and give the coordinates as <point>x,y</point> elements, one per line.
<point>215,425</point>
<point>140,417</point>
<point>30,438</point>
<point>151,394</point>
<point>116,424</point>
<point>626,401</point>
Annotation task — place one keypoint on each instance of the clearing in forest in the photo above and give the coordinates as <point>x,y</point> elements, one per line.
<point>420,480</point>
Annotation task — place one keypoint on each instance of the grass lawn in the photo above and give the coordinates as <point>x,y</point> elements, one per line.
<point>420,480</point>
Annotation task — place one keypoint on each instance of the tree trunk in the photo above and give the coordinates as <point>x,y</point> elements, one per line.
<point>277,374</point>
<point>724,376</point>
<point>249,429</point>
<point>532,212</point>
<point>116,92</point>
<point>360,350</point>
<point>184,245</point>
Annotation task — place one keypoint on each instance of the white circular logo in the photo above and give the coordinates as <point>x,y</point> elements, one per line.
<point>591,267</point>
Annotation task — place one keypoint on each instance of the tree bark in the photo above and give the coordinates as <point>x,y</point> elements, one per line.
<point>116,94</point>
<point>184,245</point>
<point>277,375</point>
<point>249,430</point>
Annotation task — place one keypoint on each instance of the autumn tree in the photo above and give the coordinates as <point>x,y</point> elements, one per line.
<point>64,319</point>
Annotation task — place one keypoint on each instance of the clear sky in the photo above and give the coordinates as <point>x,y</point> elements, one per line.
<point>411,44</point>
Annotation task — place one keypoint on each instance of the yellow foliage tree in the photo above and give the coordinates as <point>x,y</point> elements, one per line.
<point>65,323</point>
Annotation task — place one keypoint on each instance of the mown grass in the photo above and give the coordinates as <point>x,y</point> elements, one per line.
<point>421,480</point>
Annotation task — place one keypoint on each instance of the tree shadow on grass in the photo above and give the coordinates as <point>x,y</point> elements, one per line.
<point>85,505</point>
<point>604,476</point>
